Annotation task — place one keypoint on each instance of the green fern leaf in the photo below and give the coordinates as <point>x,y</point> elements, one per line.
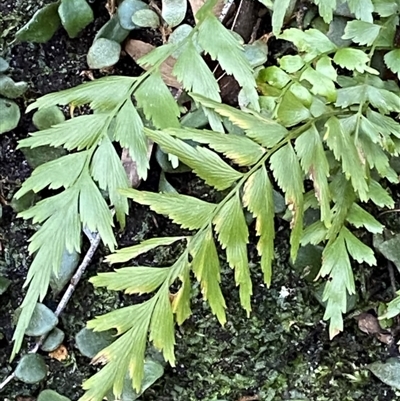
<point>314,163</point>
<point>362,9</point>
<point>230,225</point>
<point>202,81</point>
<point>129,133</point>
<point>257,197</point>
<point>61,226</point>
<point>287,172</point>
<point>321,84</point>
<point>162,331</point>
<point>181,300</point>
<point>380,196</point>
<point>353,59</point>
<point>187,211</point>
<point>94,212</point>
<point>132,280</point>
<point>278,15</point>
<point>368,129</point>
<point>205,163</point>
<point>259,128</point>
<point>157,56</point>
<point>358,250</point>
<point>361,32</point>
<point>131,252</point>
<point>61,230</point>
<point>69,133</point>
<point>61,172</point>
<point>326,8</point>
<point>101,94</point>
<point>336,264</point>
<point>124,354</point>
<point>382,99</point>
<point>157,102</point>
<point>392,61</point>
<point>384,124</point>
<point>343,196</point>
<point>206,267</point>
<point>359,217</point>
<point>238,148</point>
<point>107,170</point>
<point>314,234</point>
<point>221,45</point>
<point>342,145</point>
<point>291,110</point>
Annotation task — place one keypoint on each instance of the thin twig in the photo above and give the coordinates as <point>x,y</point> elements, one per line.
<point>94,239</point>
<point>389,211</point>
<point>7,380</point>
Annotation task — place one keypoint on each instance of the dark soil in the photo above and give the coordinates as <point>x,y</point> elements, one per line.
<point>282,352</point>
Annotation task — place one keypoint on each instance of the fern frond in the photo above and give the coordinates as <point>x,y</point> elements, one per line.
<point>157,102</point>
<point>259,128</point>
<point>203,81</point>
<point>184,210</point>
<point>314,163</point>
<point>132,280</point>
<point>258,198</point>
<point>101,94</point>
<point>107,170</point>
<point>131,252</point>
<point>62,172</point>
<point>69,133</point>
<point>221,45</point>
<point>206,267</point>
<point>125,354</point>
<point>289,177</point>
<point>230,225</point>
<point>205,163</point>
<point>238,148</point>
<point>128,131</point>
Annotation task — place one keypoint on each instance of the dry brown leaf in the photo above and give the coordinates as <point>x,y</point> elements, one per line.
<point>137,48</point>
<point>61,353</point>
<point>368,323</point>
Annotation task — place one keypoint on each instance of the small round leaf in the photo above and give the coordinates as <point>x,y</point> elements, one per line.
<point>146,19</point>
<point>31,369</point>
<point>42,321</point>
<point>47,117</point>
<point>42,26</point>
<point>103,53</point>
<point>4,66</point>
<point>91,342</point>
<point>51,395</point>
<point>75,15</point>
<point>53,340</point>
<point>126,10</point>
<point>173,11</point>
<point>11,89</point>
<point>112,30</point>
<point>69,263</point>
<point>10,115</point>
